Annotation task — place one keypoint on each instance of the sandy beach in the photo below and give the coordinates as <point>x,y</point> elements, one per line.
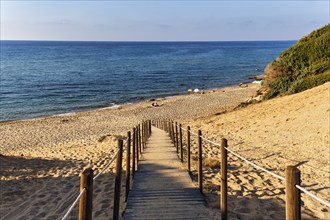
<point>290,130</point>
<point>41,158</point>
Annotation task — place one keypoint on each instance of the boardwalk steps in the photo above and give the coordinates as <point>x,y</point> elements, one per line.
<point>163,190</point>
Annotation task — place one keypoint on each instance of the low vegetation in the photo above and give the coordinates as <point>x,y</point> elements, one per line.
<point>303,66</point>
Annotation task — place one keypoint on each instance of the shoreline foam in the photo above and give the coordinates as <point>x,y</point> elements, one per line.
<point>157,98</point>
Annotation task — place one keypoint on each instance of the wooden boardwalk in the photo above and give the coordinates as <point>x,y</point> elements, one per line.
<point>161,189</point>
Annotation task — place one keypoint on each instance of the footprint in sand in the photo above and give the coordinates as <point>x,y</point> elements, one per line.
<point>267,183</point>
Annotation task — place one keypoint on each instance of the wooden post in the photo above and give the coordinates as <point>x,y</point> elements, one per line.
<point>128,164</point>
<point>188,148</point>
<point>86,200</point>
<point>293,202</point>
<point>116,201</point>
<point>133,153</point>
<point>223,197</point>
<point>181,147</point>
<point>173,137</point>
<point>171,131</point>
<point>137,146</point>
<point>140,139</point>
<point>176,137</point>
<point>143,132</point>
<point>142,136</point>
<point>200,161</point>
<point>146,134</point>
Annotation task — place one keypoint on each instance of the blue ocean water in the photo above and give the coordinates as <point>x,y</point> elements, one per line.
<point>41,78</point>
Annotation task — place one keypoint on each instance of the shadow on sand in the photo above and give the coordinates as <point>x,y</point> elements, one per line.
<point>27,192</point>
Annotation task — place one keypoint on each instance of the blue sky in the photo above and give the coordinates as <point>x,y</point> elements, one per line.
<point>161,20</point>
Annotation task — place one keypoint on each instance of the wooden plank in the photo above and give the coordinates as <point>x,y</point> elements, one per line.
<point>161,188</point>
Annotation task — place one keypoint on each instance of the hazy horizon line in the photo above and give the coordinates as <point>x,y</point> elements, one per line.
<point>155,41</point>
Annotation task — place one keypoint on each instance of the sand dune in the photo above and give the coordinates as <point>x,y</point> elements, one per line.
<point>291,130</point>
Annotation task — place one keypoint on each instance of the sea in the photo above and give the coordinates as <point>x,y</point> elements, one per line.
<point>45,78</point>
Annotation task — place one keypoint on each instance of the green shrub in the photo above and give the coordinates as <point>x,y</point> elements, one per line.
<point>302,66</point>
<point>278,86</point>
<point>310,82</point>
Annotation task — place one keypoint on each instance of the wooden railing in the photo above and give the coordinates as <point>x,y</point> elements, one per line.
<point>292,174</point>
<point>134,146</point>
<point>141,133</point>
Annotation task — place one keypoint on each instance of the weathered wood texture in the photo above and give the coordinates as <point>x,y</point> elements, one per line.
<point>163,190</point>
<point>86,201</point>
